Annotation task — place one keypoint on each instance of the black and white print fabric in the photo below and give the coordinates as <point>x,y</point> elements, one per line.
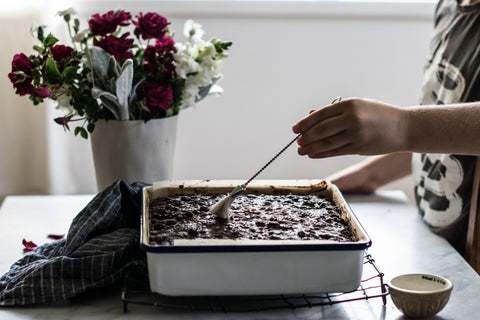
<point>443,182</point>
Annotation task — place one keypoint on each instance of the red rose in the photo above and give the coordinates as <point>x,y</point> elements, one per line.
<point>22,63</point>
<point>60,52</point>
<point>151,26</point>
<point>22,74</point>
<point>167,43</point>
<point>156,96</point>
<point>109,22</point>
<point>118,47</point>
<point>160,57</point>
<point>42,92</point>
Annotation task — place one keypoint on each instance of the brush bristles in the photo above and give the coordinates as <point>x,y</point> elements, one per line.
<point>220,209</point>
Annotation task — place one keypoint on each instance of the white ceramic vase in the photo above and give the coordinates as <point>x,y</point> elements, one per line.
<point>133,150</point>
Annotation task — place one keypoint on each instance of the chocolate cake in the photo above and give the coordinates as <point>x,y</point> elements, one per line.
<point>266,217</point>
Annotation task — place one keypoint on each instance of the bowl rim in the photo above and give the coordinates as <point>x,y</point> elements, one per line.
<point>448,287</point>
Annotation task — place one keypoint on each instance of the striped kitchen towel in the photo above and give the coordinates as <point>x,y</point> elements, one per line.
<point>101,246</point>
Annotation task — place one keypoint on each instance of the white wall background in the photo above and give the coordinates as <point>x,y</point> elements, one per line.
<point>287,58</point>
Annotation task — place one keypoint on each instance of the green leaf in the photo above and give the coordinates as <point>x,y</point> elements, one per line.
<point>226,45</point>
<point>36,100</point>
<point>90,127</point>
<point>36,63</point>
<point>38,49</point>
<point>69,73</point>
<point>52,73</point>
<point>40,35</point>
<point>81,130</point>
<point>91,107</point>
<point>109,100</point>
<point>100,59</point>
<point>220,47</point>
<point>113,68</point>
<point>76,25</point>
<point>124,88</point>
<point>137,32</point>
<point>133,95</point>
<point>50,40</point>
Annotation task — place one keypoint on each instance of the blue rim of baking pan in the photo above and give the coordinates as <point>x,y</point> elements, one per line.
<point>341,246</point>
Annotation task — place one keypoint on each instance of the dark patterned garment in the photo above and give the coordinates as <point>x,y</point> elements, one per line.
<point>443,182</point>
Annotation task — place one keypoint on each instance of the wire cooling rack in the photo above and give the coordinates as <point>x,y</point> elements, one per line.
<point>371,286</point>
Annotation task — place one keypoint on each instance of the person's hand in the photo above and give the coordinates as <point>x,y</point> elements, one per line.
<point>372,173</point>
<point>353,180</point>
<point>351,126</point>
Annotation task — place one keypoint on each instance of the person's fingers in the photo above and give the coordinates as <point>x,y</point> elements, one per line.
<point>329,143</point>
<point>340,151</point>
<point>317,116</point>
<point>322,130</point>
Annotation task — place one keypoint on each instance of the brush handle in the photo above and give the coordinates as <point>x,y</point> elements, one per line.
<point>337,99</point>
<point>271,160</point>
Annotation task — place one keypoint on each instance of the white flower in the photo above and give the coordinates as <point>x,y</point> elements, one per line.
<point>192,85</point>
<point>199,80</point>
<point>81,35</point>
<point>198,47</point>
<point>206,49</point>
<point>69,11</point>
<point>184,62</point>
<point>210,68</point>
<point>197,62</point>
<point>193,30</point>
<point>186,66</point>
<point>188,99</point>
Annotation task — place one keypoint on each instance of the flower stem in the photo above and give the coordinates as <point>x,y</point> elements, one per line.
<point>71,36</point>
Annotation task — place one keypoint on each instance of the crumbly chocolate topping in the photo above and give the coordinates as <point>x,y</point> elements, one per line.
<point>269,217</point>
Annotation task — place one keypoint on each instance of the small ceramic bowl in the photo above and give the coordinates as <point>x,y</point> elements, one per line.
<point>420,295</point>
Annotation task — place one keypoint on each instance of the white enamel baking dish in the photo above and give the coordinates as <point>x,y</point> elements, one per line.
<point>252,267</point>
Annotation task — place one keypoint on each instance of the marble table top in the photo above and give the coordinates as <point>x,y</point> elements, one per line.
<point>401,244</point>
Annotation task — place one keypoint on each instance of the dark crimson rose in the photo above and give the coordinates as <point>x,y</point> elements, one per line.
<point>24,88</point>
<point>61,121</point>
<point>42,92</point>
<point>60,52</point>
<point>151,61</point>
<point>22,74</point>
<point>160,57</point>
<point>167,42</point>
<point>151,25</point>
<point>117,47</point>
<point>156,96</point>
<point>22,63</point>
<point>109,22</point>
<point>166,45</point>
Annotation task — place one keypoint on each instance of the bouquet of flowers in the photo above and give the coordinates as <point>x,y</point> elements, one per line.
<point>109,73</point>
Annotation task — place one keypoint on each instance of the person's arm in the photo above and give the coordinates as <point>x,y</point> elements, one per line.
<point>369,175</point>
<point>368,127</point>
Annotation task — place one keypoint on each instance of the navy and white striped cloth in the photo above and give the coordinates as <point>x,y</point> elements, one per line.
<point>101,246</point>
